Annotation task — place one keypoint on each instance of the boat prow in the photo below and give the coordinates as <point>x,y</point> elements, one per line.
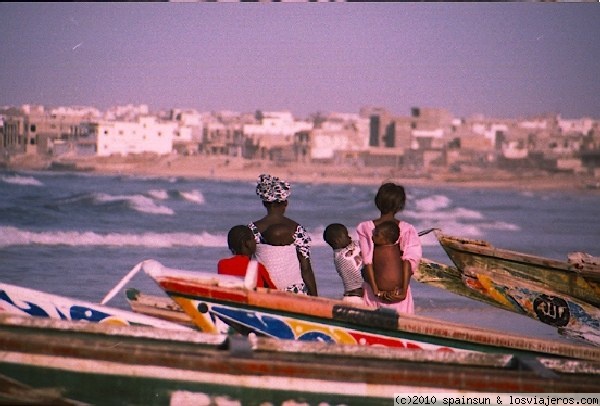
<point>563,294</point>
<point>22,301</point>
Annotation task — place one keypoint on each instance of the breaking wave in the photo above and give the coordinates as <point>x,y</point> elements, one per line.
<point>21,180</point>
<point>12,236</point>
<point>140,203</point>
<point>195,196</point>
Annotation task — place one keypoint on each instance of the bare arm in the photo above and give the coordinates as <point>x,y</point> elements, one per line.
<point>370,278</point>
<point>308,275</point>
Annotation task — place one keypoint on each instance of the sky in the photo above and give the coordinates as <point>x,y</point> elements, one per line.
<point>503,60</point>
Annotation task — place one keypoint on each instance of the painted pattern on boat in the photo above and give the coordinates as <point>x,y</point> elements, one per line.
<point>562,294</point>
<point>573,317</point>
<point>292,328</point>
<point>29,302</point>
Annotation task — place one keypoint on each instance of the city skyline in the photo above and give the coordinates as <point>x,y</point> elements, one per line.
<point>497,59</point>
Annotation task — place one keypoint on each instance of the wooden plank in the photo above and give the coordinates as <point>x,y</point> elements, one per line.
<point>156,306</point>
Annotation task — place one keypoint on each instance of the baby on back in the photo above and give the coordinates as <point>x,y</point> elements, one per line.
<point>278,235</point>
<point>387,257</point>
<point>275,253</point>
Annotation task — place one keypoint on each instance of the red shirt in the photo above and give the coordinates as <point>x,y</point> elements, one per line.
<point>236,266</point>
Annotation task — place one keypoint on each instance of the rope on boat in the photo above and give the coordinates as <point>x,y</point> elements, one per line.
<point>122,283</point>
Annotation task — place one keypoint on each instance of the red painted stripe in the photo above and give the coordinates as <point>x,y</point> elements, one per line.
<point>201,292</point>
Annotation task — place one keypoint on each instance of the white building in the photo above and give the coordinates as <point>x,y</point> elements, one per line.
<point>77,111</point>
<point>340,132</point>
<point>514,150</point>
<point>147,135</point>
<point>582,125</point>
<point>128,112</point>
<point>275,129</point>
<point>535,124</point>
<point>489,130</point>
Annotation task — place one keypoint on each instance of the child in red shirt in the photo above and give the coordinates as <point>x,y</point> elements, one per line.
<point>242,244</point>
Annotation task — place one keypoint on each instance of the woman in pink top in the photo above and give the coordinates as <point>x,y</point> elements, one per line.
<point>390,288</point>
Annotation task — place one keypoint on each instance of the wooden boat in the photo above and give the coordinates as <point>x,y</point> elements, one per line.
<point>29,302</point>
<point>430,272</point>
<point>208,298</point>
<point>64,362</point>
<point>565,295</point>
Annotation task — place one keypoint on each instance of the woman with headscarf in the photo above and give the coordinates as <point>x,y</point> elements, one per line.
<point>287,259</point>
<point>389,288</point>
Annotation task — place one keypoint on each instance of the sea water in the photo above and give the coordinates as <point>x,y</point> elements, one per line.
<point>79,234</point>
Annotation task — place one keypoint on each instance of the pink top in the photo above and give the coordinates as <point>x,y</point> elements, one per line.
<point>410,243</point>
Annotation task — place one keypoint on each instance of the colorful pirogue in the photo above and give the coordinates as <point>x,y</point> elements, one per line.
<point>22,301</point>
<point>210,299</point>
<point>563,294</point>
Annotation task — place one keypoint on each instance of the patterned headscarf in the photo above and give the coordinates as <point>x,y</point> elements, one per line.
<point>272,189</point>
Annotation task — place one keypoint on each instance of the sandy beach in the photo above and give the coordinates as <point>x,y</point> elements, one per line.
<point>220,168</point>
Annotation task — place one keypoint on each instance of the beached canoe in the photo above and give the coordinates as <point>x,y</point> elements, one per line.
<point>430,272</point>
<point>578,277</point>
<point>64,362</point>
<point>208,298</point>
<point>22,301</point>
<point>565,295</point>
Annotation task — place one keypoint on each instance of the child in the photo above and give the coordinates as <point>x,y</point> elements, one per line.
<point>347,260</point>
<point>243,246</point>
<point>387,257</point>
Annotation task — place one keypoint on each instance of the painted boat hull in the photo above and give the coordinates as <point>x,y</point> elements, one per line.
<point>450,278</point>
<point>207,299</point>
<point>105,364</point>
<point>580,281</point>
<point>21,301</point>
<point>561,294</point>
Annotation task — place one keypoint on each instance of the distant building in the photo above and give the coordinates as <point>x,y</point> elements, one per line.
<point>339,137</point>
<point>273,136</point>
<point>146,135</point>
<point>33,131</point>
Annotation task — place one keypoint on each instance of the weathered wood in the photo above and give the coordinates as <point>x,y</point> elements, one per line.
<point>59,350</point>
<point>571,316</point>
<point>565,295</point>
<point>13,392</point>
<point>580,280</point>
<point>450,279</point>
<point>157,306</point>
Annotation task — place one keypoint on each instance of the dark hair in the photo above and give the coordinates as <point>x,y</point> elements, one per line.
<point>389,230</point>
<point>333,231</point>
<point>390,198</point>
<point>237,235</point>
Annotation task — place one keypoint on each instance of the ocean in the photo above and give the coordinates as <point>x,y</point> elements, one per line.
<point>79,234</point>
